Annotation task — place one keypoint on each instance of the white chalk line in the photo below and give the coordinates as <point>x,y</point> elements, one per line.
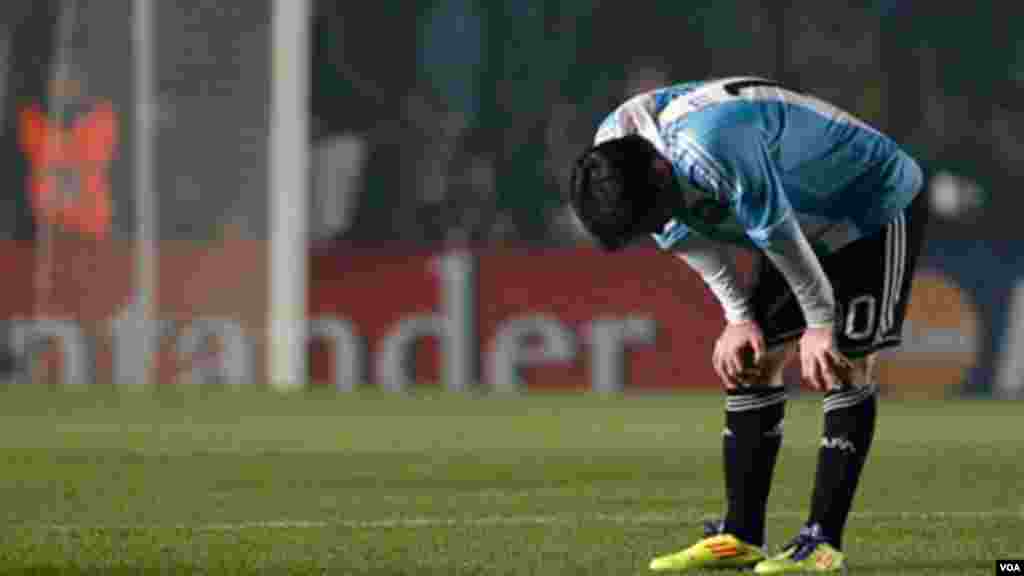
<point>505,521</point>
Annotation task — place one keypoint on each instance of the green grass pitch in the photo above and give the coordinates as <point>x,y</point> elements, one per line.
<point>192,482</point>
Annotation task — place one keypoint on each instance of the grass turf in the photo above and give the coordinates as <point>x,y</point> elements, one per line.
<point>252,483</point>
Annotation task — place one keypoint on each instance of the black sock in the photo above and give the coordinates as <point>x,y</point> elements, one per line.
<point>849,428</point>
<point>750,445</point>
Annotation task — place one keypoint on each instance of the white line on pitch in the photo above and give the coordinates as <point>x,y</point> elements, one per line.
<point>508,521</point>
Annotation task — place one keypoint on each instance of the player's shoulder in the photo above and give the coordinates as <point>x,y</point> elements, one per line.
<point>714,131</point>
<point>713,118</point>
<point>624,118</point>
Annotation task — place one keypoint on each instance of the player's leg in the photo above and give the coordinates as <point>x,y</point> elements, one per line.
<point>754,413</point>
<point>750,447</point>
<point>871,279</point>
<point>872,307</point>
<point>849,427</point>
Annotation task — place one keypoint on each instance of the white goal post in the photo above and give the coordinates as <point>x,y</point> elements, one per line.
<point>289,193</point>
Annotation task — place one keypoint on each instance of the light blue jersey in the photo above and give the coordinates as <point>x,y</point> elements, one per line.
<point>756,157</point>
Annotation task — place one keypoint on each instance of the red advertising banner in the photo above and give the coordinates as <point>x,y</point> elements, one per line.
<point>502,319</point>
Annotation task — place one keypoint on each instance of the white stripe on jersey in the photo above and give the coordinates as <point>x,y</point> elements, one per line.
<point>827,110</point>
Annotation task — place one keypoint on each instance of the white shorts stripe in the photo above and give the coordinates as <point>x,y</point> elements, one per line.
<point>895,265</point>
<point>901,252</point>
<point>887,278</point>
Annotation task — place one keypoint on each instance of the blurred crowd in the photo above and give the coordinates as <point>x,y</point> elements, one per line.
<point>457,120</point>
<point>469,113</point>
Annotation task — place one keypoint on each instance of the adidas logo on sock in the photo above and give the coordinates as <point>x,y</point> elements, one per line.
<point>842,444</point>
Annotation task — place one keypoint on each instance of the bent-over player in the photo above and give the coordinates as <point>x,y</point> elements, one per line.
<point>833,209</point>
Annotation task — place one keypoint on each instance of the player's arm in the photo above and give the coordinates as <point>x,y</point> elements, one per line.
<point>716,265</point>
<point>788,249</point>
<point>793,257</point>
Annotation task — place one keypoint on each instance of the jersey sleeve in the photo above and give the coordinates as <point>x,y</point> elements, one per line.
<point>715,262</point>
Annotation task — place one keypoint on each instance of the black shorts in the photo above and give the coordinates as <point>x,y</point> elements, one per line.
<point>871,280</point>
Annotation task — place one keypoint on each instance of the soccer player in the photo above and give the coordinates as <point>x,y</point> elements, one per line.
<point>832,209</point>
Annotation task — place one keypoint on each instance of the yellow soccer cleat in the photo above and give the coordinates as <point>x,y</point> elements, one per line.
<point>713,552</point>
<point>808,553</point>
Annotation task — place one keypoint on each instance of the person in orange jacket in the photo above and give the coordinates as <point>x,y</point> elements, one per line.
<point>70,147</point>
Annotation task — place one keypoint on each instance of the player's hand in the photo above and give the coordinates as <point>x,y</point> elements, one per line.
<point>731,358</point>
<point>822,366</point>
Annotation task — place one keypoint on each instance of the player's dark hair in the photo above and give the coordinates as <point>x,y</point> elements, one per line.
<point>611,189</point>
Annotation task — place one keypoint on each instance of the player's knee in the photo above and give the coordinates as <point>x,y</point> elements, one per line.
<point>862,373</point>
<point>773,365</point>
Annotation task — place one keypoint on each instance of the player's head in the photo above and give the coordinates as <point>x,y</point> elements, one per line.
<point>617,191</point>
